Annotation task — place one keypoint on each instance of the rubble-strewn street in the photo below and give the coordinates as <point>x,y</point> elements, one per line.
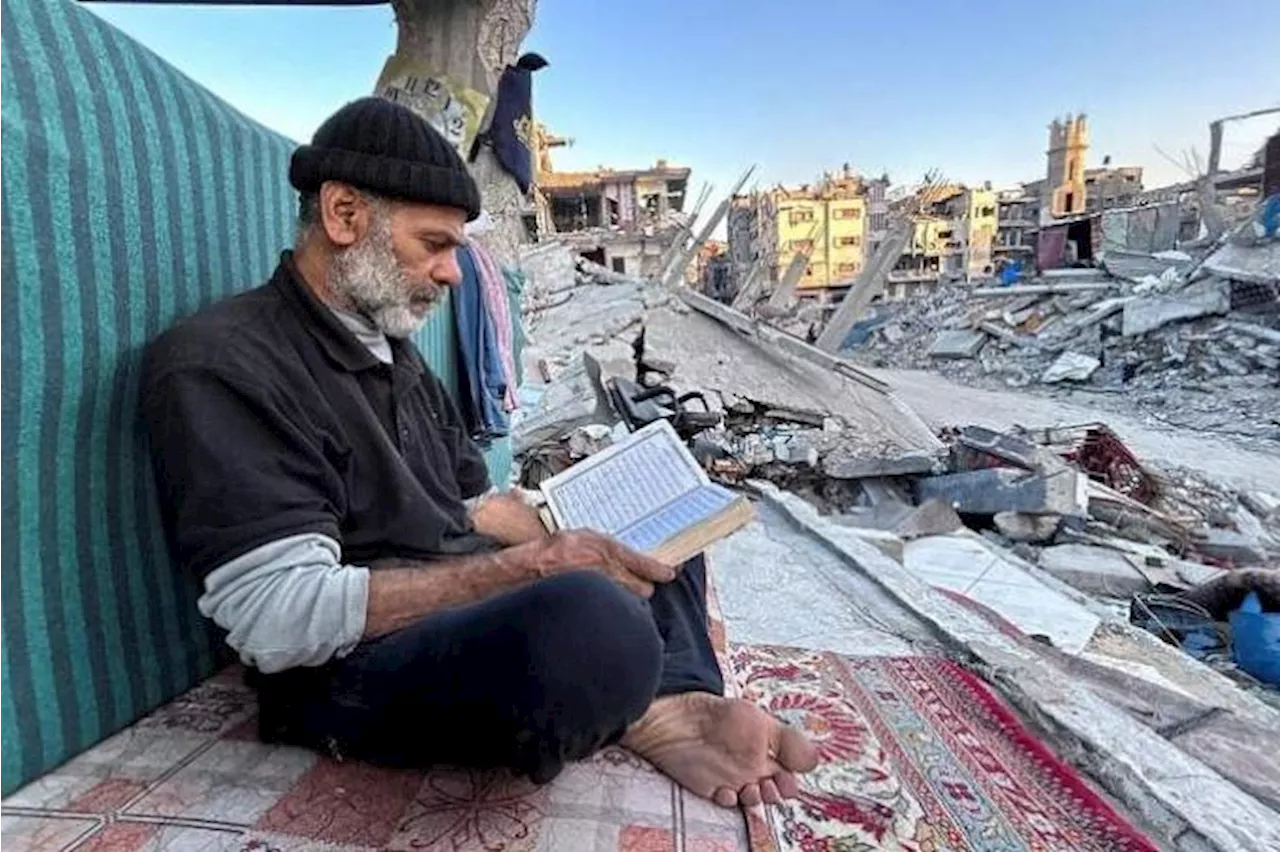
<point>941,401</point>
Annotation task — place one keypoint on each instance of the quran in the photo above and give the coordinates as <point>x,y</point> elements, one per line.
<point>649,492</point>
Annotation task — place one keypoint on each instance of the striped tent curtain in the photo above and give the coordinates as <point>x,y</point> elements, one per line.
<point>131,196</point>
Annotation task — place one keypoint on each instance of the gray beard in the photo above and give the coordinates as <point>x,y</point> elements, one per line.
<point>368,276</point>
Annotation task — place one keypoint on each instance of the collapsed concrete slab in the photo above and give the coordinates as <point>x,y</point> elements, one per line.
<point>1071,367</point>
<point>850,465</point>
<point>988,492</point>
<point>957,344</point>
<point>1231,546</point>
<point>1096,570</point>
<point>1144,315</point>
<point>1258,264</point>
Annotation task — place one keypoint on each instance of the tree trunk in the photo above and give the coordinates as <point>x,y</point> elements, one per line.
<point>469,42</point>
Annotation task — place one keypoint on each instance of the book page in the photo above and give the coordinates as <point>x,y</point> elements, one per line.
<point>623,485</point>
<point>687,510</point>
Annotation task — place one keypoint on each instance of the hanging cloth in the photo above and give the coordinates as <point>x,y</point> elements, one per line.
<point>482,380</point>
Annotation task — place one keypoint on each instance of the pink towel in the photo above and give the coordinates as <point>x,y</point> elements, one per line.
<point>494,287</point>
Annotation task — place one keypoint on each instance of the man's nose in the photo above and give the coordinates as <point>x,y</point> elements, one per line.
<point>448,272</point>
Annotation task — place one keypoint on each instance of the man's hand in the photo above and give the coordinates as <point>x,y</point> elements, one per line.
<point>577,550</point>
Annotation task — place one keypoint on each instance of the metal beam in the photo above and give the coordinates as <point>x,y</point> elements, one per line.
<point>673,273</point>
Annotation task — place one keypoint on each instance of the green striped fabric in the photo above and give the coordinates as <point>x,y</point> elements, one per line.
<point>131,196</point>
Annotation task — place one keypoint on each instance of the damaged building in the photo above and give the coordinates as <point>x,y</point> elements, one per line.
<point>623,219</point>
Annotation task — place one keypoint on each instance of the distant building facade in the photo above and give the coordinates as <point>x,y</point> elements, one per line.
<point>1017,226</point>
<point>1064,178</point>
<point>1108,187</point>
<point>953,237</point>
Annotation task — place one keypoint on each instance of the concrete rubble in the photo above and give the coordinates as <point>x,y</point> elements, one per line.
<point>1059,533</point>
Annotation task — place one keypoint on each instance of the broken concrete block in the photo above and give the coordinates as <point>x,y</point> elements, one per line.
<point>1231,546</point>
<point>1017,526</point>
<point>932,517</point>
<point>893,333</point>
<point>794,449</point>
<point>1071,367</point>
<point>957,344</point>
<point>988,492</point>
<point>755,451</point>
<point>1144,315</point>
<point>838,465</point>
<point>1095,570</point>
<point>979,447</point>
<point>1262,504</point>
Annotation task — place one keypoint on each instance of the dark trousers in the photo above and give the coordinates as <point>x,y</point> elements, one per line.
<point>529,680</point>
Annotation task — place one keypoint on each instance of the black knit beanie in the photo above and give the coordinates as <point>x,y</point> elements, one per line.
<point>385,148</point>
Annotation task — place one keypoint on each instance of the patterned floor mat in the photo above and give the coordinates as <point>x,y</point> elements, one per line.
<point>917,754</point>
<point>192,776</point>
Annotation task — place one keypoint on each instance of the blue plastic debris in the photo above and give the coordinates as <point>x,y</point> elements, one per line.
<point>1256,636</point>
<point>1270,216</point>
<point>1011,272</point>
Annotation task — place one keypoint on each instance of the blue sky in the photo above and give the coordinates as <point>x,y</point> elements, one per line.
<point>796,87</point>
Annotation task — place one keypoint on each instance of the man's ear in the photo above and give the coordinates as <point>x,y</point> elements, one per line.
<point>345,215</point>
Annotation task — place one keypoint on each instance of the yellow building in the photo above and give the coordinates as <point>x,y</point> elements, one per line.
<point>982,224</point>
<point>828,223</point>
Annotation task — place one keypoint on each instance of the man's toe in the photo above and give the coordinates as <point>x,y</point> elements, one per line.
<point>794,750</point>
<point>749,795</point>
<point>787,783</point>
<point>769,792</point>
<point>726,797</point>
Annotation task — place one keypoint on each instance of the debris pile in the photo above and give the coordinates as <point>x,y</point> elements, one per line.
<point>1079,506</point>
<point>613,349</point>
<point>755,404</point>
<point>1198,348</point>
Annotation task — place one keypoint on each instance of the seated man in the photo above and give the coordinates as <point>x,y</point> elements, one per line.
<point>316,477</point>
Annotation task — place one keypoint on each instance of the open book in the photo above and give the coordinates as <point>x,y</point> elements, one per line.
<point>649,492</point>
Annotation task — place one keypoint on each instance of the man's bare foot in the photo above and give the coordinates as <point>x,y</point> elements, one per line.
<point>723,749</point>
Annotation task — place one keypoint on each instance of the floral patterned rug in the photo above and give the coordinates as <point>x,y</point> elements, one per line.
<point>917,754</point>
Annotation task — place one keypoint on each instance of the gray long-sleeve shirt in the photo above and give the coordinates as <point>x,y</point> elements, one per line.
<point>289,603</point>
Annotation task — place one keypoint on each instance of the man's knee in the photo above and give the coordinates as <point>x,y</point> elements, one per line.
<point>604,627</point>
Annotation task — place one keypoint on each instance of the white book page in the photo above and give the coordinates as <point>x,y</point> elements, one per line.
<point>622,485</point>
